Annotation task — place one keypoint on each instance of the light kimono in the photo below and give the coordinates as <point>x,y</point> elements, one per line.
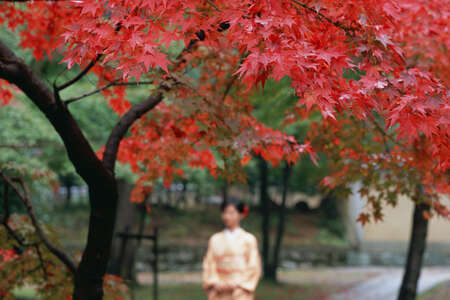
<point>232,258</point>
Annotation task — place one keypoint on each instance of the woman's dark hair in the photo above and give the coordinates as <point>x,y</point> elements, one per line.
<point>238,204</point>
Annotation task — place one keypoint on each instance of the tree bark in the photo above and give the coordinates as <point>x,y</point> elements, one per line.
<point>89,276</point>
<point>281,221</point>
<point>416,250</point>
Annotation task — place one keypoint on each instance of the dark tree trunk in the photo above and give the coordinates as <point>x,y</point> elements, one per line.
<point>416,250</point>
<point>265,212</point>
<point>89,276</point>
<point>281,221</point>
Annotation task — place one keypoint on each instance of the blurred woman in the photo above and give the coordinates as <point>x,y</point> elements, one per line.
<point>232,264</point>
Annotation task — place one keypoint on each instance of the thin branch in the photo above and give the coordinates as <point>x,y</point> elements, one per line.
<point>134,113</point>
<point>83,72</point>
<point>381,130</point>
<point>213,5</point>
<point>80,75</point>
<point>80,152</point>
<point>121,128</point>
<point>44,270</point>
<point>234,77</point>
<point>25,197</point>
<point>98,90</point>
<point>322,16</point>
<point>58,75</point>
<point>6,203</point>
<point>7,214</point>
<point>228,87</point>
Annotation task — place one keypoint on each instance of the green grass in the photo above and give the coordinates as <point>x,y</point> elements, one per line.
<point>265,291</point>
<point>439,292</point>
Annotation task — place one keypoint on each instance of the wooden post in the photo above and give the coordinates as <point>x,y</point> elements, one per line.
<point>123,247</point>
<point>126,235</point>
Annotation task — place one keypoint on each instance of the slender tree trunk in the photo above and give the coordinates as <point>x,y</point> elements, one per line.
<point>224,191</point>
<point>69,194</point>
<point>416,250</point>
<point>281,221</point>
<point>265,212</point>
<point>183,196</point>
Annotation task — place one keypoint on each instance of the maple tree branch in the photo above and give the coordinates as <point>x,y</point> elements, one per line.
<point>25,197</point>
<point>384,133</point>
<point>6,203</point>
<point>228,87</point>
<point>98,90</point>
<point>200,37</point>
<point>13,234</point>
<point>41,261</point>
<point>121,128</point>
<point>134,113</point>
<point>80,152</point>
<point>7,214</point>
<point>322,16</point>
<point>80,75</point>
<point>234,77</point>
<point>213,5</point>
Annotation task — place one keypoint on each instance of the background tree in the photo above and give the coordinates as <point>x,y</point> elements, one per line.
<point>391,162</point>
<point>229,48</point>
<point>270,105</point>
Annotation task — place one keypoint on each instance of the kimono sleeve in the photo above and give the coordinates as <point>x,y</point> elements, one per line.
<point>209,275</point>
<point>253,271</point>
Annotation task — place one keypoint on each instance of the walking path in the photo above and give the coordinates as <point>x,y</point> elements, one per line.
<point>352,283</point>
<point>338,276</point>
<point>387,285</point>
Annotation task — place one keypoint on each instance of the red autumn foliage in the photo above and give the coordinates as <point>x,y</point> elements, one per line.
<point>398,48</point>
